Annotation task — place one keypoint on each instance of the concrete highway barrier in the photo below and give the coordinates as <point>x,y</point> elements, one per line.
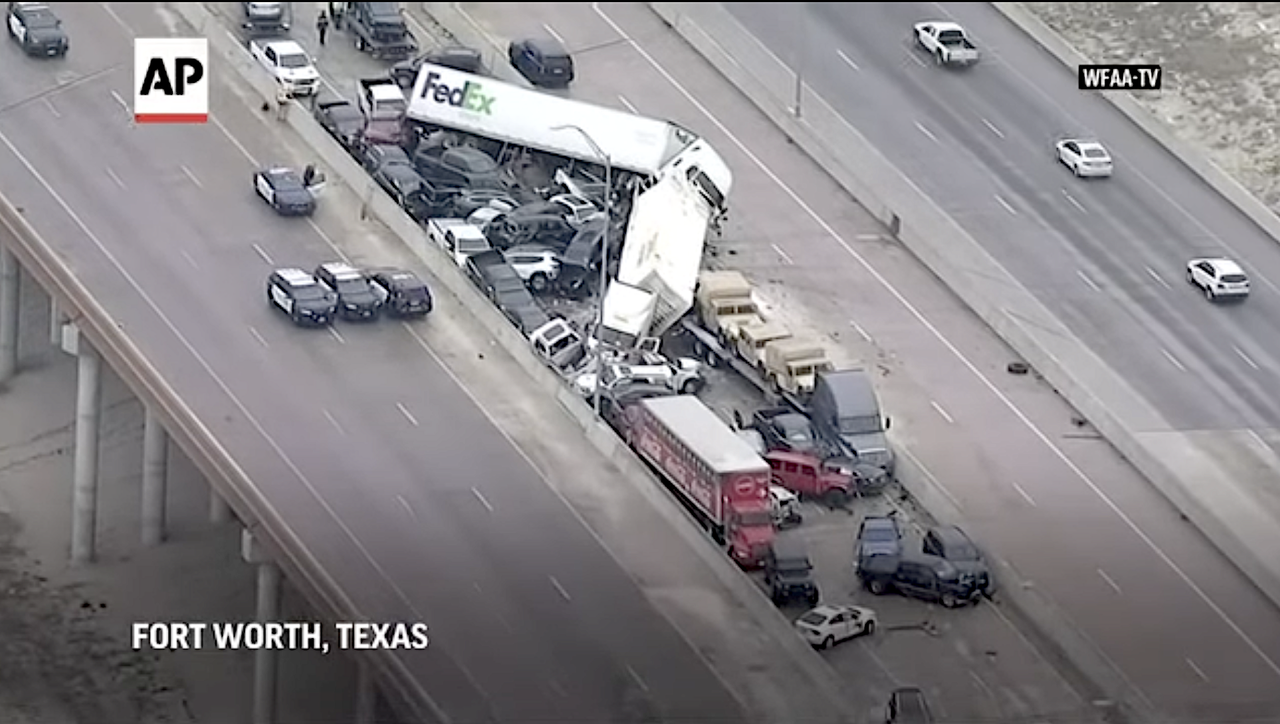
<point>750,659</point>
<point>1186,468</point>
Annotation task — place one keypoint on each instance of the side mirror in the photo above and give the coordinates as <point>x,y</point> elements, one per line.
<point>888,422</point>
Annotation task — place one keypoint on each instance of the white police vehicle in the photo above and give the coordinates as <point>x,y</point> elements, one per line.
<point>356,296</point>
<point>283,189</point>
<point>302,297</point>
<point>37,29</point>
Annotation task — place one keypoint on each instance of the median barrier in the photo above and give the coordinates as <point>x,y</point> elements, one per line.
<point>761,657</point>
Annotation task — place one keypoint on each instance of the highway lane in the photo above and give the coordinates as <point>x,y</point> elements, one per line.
<point>1030,508</point>
<point>395,482</point>
<point>1128,225</point>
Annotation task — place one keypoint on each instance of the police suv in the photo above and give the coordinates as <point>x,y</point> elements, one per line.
<point>37,29</point>
<point>356,297</point>
<point>401,293</point>
<point>302,297</point>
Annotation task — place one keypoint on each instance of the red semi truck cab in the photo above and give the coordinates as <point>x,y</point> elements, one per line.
<point>718,474</point>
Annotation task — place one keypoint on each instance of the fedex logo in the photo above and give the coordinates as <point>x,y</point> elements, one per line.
<point>470,97</point>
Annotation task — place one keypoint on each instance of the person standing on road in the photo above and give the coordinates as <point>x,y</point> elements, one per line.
<point>283,99</point>
<point>335,12</point>
<point>322,26</point>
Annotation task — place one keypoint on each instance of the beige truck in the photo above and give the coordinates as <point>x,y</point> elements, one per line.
<point>754,337</point>
<point>792,364</point>
<point>724,303</point>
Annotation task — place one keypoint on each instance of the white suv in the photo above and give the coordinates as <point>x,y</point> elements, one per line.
<point>537,265</point>
<point>1218,278</point>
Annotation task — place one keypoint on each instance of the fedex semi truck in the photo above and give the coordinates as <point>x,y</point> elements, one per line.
<point>489,108</point>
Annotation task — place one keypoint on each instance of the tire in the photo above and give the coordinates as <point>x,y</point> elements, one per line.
<point>539,282</point>
<point>1191,278</point>
<point>295,317</point>
<point>828,642</point>
<point>1208,294</point>
<point>1075,169</point>
<point>691,386</point>
<point>937,59</point>
<point>870,628</point>
<point>877,587</point>
<point>949,600</point>
<point>834,498</point>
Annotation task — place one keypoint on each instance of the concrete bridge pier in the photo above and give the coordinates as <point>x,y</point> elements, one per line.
<point>155,476</point>
<point>265,661</point>
<point>366,692</point>
<point>219,511</point>
<point>10,308</point>
<point>84,518</point>
<point>56,320</point>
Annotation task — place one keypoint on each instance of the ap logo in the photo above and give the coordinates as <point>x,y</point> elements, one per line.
<point>170,80</point>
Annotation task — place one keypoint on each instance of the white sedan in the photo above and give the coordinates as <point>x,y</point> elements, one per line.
<point>1218,278</point>
<point>1086,159</point>
<point>828,625</point>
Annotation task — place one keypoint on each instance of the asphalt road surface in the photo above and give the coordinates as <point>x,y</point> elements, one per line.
<point>1108,257</point>
<point>400,486</point>
<point>1058,506</point>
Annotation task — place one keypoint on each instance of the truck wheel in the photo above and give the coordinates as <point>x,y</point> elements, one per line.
<point>876,586</point>
<point>539,282</point>
<point>834,498</point>
<point>691,386</point>
<point>828,642</point>
<point>937,58</point>
<point>949,600</point>
<point>869,629</point>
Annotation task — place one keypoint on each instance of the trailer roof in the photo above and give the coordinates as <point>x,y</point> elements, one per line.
<point>705,434</point>
<point>665,237</point>
<point>509,113</point>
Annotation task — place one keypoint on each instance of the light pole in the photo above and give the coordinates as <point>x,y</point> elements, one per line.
<point>603,157</point>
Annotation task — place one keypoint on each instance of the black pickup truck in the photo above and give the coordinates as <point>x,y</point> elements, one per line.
<point>380,30</point>
<point>502,284</point>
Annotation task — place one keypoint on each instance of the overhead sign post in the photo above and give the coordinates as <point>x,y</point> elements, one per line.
<point>170,80</point>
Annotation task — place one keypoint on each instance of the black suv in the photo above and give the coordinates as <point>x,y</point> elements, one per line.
<point>356,297</point>
<point>302,297</point>
<point>402,293</point>
<point>920,576</point>
<point>542,61</point>
<point>951,543</point>
<point>789,574</point>
<point>464,167</point>
<point>878,535</point>
<point>504,287</point>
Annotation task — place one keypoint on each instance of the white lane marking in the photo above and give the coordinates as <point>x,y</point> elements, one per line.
<point>559,588</point>
<point>1245,357</point>
<point>782,254</point>
<point>407,415</point>
<point>226,390</point>
<point>968,364</point>
<point>122,102</point>
<point>1035,651</point>
<point>333,332</point>
<point>977,679</point>
<point>1025,495</point>
<point>1109,580</point>
<point>861,332</point>
<point>119,21</point>
<point>503,620</point>
<point>480,497</point>
<point>192,176</point>
<point>1172,360</point>
<point>1199,672</point>
<point>847,60</point>
<point>1072,200</point>
<point>920,127</point>
<point>1000,200</point>
<point>52,108</point>
<point>627,104</point>
<point>408,508</point>
<point>639,681</point>
<point>933,479</point>
<point>1085,278</point>
<point>941,411</point>
<point>334,421</point>
<point>552,32</point>
<point>115,178</point>
<point>258,336</point>
<point>234,141</point>
<point>916,59</point>
<point>262,254</point>
<point>190,259</point>
<point>992,127</point>
<point>869,237</point>
<point>1158,279</point>
<point>557,688</point>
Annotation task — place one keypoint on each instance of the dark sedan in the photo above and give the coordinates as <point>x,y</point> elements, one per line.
<point>342,120</point>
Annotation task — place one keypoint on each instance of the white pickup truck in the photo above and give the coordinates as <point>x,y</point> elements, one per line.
<point>457,238</point>
<point>946,42</point>
<point>289,64</point>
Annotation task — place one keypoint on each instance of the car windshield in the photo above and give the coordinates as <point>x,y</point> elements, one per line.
<point>472,245</point>
<point>287,182</point>
<point>1233,278</point>
<point>413,293</point>
<point>309,293</point>
<point>40,20</point>
<point>1094,153</point>
<point>859,425</point>
<point>351,286</point>
<point>878,534</point>
<point>813,618</point>
<point>293,60</point>
<point>962,551</point>
<point>798,434</point>
<point>755,519</point>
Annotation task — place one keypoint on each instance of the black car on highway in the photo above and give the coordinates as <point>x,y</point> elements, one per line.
<point>784,429</point>
<point>301,296</point>
<point>374,156</point>
<point>283,190</point>
<point>356,296</point>
<point>464,167</point>
<point>502,284</point>
<point>951,543</point>
<point>917,575</point>
<point>342,120</point>
<point>457,57</point>
<point>406,187</point>
<point>35,27</point>
<point>402,293</point>
<point>542,61</point>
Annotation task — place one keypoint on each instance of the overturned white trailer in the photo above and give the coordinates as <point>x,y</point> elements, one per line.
<point>455,100</point>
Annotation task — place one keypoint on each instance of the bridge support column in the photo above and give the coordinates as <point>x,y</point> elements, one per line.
<point>155,475</point>
<point>56,321</point>
<point>10,304</point>
<point>219,511</point>
<point>265,661</point>
<point>366,692</point>
<point>84,518</point>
